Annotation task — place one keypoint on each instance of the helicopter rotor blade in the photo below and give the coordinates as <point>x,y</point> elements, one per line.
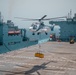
<point>27,19</point>
<point>55,18</point>
<point>42,17</point>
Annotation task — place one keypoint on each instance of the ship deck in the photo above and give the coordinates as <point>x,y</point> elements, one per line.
<point>59,59</point>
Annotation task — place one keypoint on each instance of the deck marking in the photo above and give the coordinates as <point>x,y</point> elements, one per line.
<point>2,65</point>
<point>36,64</point>
<point>63,58</point>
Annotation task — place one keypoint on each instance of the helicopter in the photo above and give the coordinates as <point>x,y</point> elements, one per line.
<point>38,27</point>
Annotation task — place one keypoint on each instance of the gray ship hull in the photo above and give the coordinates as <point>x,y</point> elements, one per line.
<point>6,48</point>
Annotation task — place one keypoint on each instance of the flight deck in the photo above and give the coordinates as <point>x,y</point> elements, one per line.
<point>59,59</point>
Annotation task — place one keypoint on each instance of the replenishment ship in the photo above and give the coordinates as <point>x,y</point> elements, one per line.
<point>67,28</point>
<point>12,38</point>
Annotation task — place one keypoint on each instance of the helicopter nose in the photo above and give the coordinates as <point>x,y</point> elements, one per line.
<point>30,28</point>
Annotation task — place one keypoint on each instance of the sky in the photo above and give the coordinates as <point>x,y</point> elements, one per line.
<point>35,9</point>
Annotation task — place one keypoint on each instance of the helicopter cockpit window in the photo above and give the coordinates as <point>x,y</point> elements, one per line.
<point>42,23</point>
<point>35,27</point>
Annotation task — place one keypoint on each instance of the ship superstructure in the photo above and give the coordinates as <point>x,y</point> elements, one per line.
<point>11,37</point>
<point>67,27</point>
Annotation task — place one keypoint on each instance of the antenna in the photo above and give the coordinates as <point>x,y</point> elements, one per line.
<point>70,13</point>
<point>1,20</point>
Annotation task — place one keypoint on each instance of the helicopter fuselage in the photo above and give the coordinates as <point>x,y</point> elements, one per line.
<point>39,27</point>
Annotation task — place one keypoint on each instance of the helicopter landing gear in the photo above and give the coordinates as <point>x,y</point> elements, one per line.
<point>46,33</point>
<point>33,33</point>
<point>38,33</point>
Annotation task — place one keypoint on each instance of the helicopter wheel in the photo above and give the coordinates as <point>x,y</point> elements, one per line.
<point>33,33</point>
<point>46,33</point>
<point>38,33</point>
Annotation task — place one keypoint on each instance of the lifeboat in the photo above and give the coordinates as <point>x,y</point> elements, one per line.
<point>14,32</point>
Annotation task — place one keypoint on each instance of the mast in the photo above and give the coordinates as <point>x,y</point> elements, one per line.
<point>1,20</point>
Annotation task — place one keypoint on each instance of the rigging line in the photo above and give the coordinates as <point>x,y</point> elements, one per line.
<point>6,46</point>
